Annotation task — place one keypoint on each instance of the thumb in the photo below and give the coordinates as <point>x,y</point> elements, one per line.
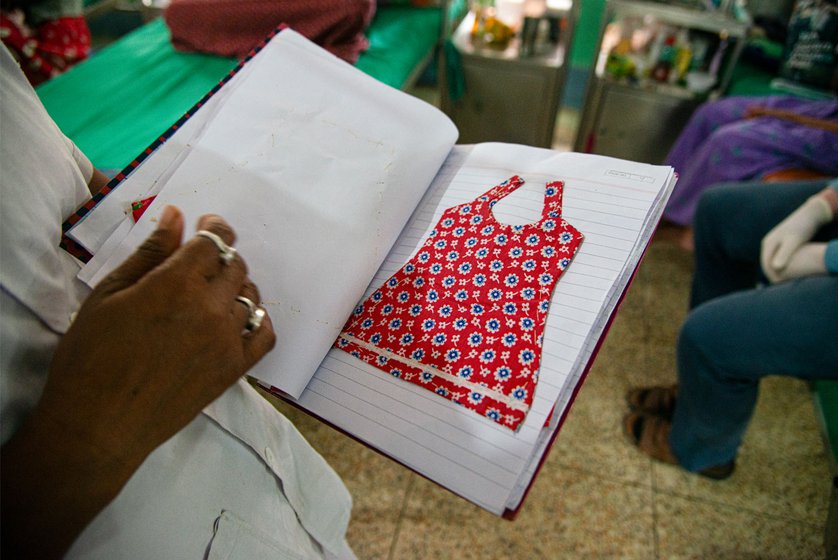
<point>158,247</point>
<point>783,254</point>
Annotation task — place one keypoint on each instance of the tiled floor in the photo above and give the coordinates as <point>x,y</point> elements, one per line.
<point>597,497</point>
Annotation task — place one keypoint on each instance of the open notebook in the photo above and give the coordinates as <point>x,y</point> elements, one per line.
<point>332,181</point>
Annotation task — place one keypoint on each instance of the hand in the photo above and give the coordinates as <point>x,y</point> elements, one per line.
<point>155,342</point>
<point>788,236</point>
<point>808,260</point>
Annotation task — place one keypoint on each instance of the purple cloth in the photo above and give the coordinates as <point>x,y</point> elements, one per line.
<point>718,145</point>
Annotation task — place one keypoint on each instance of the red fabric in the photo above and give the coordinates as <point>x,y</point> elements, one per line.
<point>464,318</point>
<point>234,27</point>
<point>47,50</point>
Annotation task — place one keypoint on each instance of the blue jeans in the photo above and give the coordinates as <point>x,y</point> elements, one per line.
<point>737,332</point>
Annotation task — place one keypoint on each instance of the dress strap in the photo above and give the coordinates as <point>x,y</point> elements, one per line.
<point>553,192</point>
<point>501,190</point>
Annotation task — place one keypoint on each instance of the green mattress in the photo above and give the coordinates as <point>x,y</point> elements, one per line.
<point>125,96</point>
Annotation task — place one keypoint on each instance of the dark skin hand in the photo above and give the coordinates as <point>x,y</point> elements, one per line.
<point>155,342</point>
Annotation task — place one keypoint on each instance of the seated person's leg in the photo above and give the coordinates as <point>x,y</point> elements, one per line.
<point>728,344</point>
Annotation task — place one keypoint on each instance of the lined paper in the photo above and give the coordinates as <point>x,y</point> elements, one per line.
<point>616,205</point>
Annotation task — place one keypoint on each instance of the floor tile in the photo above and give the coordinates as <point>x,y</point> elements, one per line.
<point>694,530</point>
<point>568,514</point>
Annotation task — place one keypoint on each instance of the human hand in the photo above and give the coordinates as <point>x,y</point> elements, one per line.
<point>788,236</point>
<point>155,342</point>
<point>807,260</point>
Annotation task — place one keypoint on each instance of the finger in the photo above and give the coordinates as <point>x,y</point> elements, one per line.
<point>241,311</point>
<point>206,256</point>
<point>158,247</point>
<point>259,342</point>
<point>783,254</point>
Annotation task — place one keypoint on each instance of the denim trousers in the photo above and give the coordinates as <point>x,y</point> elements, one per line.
<point>739,328</point>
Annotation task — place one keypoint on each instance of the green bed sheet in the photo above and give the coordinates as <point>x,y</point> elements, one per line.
<point>125,96</point>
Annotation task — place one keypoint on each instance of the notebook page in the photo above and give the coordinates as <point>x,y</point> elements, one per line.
<point>469,454</point>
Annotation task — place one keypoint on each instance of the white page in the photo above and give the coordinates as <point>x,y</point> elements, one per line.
<point>317,167</point>
<point>612,203</point>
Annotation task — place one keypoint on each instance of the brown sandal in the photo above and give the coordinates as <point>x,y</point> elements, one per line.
<point>656,401</point>
<point>651,435</point>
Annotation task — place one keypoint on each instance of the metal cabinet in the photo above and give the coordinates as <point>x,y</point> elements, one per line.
<point>512,94</point>
<point>639,95</point>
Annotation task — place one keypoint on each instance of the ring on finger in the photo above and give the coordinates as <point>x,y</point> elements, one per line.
<point>255,314</point>
<point>225,252</point>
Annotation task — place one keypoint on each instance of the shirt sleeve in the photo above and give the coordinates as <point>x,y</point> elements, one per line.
<point>85,165</point>
<point>831,257</point>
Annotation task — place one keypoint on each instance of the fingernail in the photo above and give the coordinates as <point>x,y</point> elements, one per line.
<point>168,217</point>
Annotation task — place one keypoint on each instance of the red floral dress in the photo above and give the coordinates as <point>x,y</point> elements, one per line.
<point>465,316</point>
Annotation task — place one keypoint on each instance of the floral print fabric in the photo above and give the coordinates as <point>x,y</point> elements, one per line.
<point>465,316</point>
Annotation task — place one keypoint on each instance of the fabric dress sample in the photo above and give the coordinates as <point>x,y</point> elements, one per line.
<point>465,316</point>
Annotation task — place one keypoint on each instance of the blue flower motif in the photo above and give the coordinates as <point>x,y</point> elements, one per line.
<point>527,293</point>
<point>527,323</point>
<point>382,360</point>
<point>449,281</point>
<point>516,252</point>
<point>424,256</point>
<point>439,339</point>
<point>453,256</point>
<point>528,265</point>
<point>376,338</point>
<point>488,230</point>
<point>418,354</point>
<point>475,397</point>
<point>471,242</point>
<point>377,296</point>
<point>479,279</point>
<point>445,311</point>
<point>393,282</point>
<point>551,191</point>
<point>448,222</point>
<point>366,324</point>
<point>452,355</point>
<point>503,373</point>
<point>409,267</point>
<point>441,391</point>
<point>464,268</point>
<point>495,294</point>
<point>428,324</point>
<point>395,372</point>
<point>415,310</point>
<point>563,264</point>
<point>511,281</point>
<point>427,376</point>
<point>476,309</point>
<point>544,305</point>
<point>475,339</point>
<point>548,225</point>
<point>419,282</point>
<point>493,325</point>
<point>462,295</point>
<point>501,239</point>
<point>517,229</point>
<point>465,209</point>
<point>565,237</point>
<point>460,324</point>
<point>493,414</point>
<point>403,296</point>
<point>526,357</point>
<point>520,393</point>
<point>532,240</point>
<point>458,232</point>
<point>359,309</point>
<point>548,251</point>
<point>487,356</point>
<point>510,308</point>
<point>436,268</point>
<point>441,244</point>
<point>495,265</point>
<point>395,323</point>
<point>482,253</point>
<point>432,295</point>
<point>465,372</point>
<point>355,354</point>
<point>476,220</point>
<point>407,338</point>
<point>545,279</point>
<point>509,339</point>
<point>387,309</point>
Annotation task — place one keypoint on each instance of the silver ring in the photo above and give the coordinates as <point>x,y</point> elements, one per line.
<point>226,253</point>
<point>256,314</point>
